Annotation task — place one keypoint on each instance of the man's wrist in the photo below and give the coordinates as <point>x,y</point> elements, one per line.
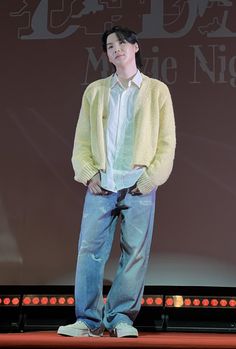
<point>92,177</point>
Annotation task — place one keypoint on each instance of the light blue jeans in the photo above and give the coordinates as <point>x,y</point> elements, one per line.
<point>98,225</point>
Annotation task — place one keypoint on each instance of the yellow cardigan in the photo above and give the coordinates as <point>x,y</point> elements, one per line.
<point>155,139</point>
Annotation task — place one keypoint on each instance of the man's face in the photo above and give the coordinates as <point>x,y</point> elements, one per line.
<point>120,53</point>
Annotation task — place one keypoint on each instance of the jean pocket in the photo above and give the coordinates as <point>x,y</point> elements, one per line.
<point>105,192</point>
<point>134,194</point>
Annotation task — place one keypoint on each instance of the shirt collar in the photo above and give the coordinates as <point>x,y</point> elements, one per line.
<point>137,80</point>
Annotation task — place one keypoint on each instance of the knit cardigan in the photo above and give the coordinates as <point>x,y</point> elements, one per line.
<point>155,139</point>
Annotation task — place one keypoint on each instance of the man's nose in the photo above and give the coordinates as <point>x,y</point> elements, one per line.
<point>117,49</point>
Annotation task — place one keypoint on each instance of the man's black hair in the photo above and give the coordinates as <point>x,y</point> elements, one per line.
<point>123,34</point>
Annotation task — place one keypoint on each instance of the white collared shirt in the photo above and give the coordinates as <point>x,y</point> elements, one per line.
<point>120,136</point>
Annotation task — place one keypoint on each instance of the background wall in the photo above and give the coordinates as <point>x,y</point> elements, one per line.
<point>50,51</point>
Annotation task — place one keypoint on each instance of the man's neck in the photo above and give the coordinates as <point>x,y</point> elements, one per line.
<point>126,74</point>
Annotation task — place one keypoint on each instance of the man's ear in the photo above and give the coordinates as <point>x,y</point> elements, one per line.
<point>136,47</point>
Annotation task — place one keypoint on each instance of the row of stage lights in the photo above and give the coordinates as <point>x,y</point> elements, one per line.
<point>175,301</point>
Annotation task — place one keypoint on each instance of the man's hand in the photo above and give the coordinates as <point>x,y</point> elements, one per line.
<point>94,185</point>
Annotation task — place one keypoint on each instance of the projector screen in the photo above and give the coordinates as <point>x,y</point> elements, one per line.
<point>50,51</point>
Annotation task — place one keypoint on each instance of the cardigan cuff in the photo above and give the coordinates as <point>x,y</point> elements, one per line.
<point>144,184</point>
<point>86,174</point>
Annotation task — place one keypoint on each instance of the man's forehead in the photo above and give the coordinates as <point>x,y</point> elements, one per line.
<point>113,37</point>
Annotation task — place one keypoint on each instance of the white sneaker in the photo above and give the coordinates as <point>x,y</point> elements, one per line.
<point>124,330</point>
<point>79,329</point>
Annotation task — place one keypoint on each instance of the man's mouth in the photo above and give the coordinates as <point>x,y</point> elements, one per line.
<point>118,56</point>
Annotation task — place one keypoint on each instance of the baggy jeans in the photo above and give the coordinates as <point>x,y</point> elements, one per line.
<point>99,220</point>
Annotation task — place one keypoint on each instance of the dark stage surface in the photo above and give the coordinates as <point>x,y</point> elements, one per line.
<point>49,339</point>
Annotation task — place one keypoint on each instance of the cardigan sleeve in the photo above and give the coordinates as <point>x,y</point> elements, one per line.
<point>82,161</point>
<point>161,166</point>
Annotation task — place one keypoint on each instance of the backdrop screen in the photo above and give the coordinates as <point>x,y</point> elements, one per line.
<point>50,51</point>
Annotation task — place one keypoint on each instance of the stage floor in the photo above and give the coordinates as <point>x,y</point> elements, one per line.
<point>50,339</point>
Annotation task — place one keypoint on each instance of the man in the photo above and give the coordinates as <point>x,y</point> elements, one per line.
<point>123,150</point>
